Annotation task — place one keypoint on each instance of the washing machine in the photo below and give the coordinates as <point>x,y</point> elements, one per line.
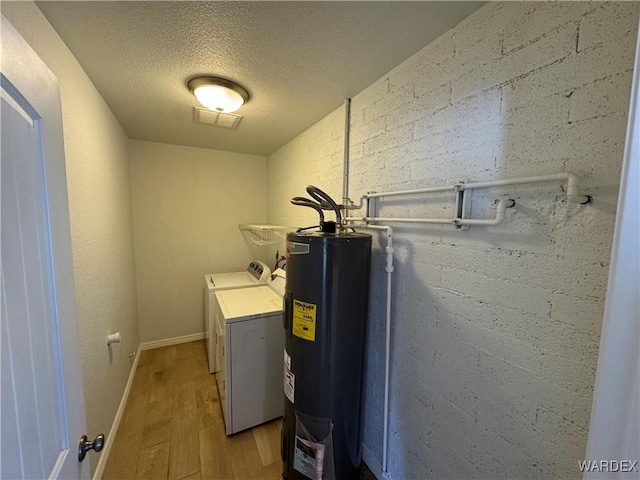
<point>250,346</point>
<point>257,273</point>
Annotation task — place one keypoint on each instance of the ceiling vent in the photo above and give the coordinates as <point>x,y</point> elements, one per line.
<point>217,119</point>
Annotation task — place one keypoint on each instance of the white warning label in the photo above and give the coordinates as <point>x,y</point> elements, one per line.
<point>289,378</point>
<point>287,360</point>
<point>308,458</point>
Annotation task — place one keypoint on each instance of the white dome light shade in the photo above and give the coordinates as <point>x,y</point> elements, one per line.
<point>218,94</point>
<point>215,97</point>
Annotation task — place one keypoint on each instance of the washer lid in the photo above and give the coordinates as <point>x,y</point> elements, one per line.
<point>217,281</point>
<point>248,303</point>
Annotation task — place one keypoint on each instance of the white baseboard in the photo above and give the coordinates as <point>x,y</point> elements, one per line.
<point>373,463</point>
<point>104,455</point>
<point>172,341</point>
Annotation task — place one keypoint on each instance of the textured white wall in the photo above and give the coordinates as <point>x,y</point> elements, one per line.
<point>96,152</point>
<point>314,157</point>
<point>495,330</point>
<point>187,204</point>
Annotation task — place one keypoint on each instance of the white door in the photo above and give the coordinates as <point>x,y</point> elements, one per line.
<point>42,402</point>
<point>614,433</point>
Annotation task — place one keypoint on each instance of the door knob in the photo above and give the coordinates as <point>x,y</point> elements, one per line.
<point>86,445</point>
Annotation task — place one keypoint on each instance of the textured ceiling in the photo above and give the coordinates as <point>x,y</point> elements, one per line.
<point>298,60</point>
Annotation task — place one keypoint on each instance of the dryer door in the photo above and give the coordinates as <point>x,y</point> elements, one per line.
<point>256,374</point>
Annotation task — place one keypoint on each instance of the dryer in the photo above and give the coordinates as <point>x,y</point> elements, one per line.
<point>250,346</point>
<point>257,273</point>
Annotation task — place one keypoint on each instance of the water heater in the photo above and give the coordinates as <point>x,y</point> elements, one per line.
<point>325,312</point>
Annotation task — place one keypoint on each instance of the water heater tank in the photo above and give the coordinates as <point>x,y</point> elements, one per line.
<point>325,316</point>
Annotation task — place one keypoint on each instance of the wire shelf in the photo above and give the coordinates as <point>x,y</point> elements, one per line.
<point>265,234</point>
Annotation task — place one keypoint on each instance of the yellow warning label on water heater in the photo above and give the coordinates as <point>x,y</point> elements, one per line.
<point>304,320</point>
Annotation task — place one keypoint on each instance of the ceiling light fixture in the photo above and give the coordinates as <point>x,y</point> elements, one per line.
<point>218,94</point>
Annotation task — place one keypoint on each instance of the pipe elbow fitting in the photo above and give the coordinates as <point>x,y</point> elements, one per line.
<point>572,190</point>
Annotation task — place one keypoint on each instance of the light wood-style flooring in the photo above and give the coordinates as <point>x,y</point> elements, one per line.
<point>172,425</point>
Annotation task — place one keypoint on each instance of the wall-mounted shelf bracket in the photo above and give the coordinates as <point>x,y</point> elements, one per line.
<point>462,206</point>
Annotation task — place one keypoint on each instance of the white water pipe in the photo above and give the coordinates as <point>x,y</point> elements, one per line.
<point>570,177</point>
<point>345,171</point>
<point>404,220</point>
<point>499,218</point>
<point>500,211</point>
<point>387,347</point>
<point>410,192</point>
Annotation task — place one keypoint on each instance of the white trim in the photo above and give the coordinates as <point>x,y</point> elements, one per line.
<point>10,100</point>
<point>104,456</point>
<point>172,341</point>
<point>372,463</point>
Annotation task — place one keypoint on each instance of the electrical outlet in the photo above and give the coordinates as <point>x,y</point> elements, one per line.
<point>132,355</point>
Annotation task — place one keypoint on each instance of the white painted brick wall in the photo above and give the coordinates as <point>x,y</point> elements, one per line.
<point>495,330</point>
